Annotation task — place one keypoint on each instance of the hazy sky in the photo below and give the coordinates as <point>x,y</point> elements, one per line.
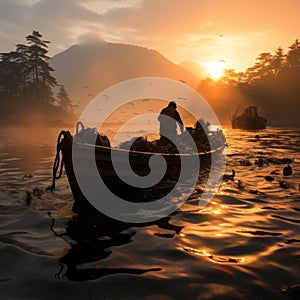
<point>235,31</point>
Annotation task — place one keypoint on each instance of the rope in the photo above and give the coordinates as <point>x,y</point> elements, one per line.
<point>58,162</point>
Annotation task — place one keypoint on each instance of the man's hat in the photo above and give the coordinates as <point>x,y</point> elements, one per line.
<point>173,104</point>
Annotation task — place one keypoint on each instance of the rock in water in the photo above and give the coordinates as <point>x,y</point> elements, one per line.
<point>287,171</point>
<point>293,291</point>
<point>229,177</point>
<point>28,198</point>
<point>269,178</point>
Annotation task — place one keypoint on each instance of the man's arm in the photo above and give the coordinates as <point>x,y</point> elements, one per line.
<point>178,119</point>
<point>159,116</point>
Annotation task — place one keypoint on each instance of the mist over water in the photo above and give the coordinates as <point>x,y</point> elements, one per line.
<point>243,245</point>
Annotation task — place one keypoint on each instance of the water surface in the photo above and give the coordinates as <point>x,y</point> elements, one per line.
<point>243,245</point>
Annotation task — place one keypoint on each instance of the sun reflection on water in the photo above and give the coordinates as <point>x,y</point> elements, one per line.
<point>216,258</point>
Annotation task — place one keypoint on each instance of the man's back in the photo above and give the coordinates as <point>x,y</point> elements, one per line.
<point>168,118</point>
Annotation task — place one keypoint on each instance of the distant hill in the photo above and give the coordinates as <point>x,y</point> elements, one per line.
<point>195,68</point>
<point>86,70</point>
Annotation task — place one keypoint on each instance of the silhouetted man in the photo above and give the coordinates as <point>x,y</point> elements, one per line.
<point>169,118</point>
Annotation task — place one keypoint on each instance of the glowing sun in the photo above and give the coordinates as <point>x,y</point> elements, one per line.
<point>215,69</point>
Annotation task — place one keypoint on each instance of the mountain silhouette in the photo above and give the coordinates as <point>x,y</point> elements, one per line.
<point>86,70</point>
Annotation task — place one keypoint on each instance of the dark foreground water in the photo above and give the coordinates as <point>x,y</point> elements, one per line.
<point>244,245</point>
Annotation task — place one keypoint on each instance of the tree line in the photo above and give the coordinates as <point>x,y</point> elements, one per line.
<point>26,76</point>
<point>272,83</point>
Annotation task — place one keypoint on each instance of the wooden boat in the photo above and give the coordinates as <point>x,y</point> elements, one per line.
<point>139,162</point>
<point>249,120</point>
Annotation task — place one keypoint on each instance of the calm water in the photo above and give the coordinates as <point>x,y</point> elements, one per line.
<point>244,245</point>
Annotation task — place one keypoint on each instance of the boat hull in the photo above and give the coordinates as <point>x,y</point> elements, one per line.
<point>139,162</point>
<point>249,124</point>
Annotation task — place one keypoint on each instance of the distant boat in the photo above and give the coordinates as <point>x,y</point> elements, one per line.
<point>249,120</point>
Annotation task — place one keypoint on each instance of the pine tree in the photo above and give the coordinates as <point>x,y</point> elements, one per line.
<point>26,73</point>
<point>293,55</point>
<point>39,71</point>
<point>278,61</point>
<point>64,100</point>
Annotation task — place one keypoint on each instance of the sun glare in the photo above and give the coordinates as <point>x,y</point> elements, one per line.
<point>215,69</point>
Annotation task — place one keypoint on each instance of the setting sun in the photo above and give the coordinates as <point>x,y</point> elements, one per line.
<point>215,69</point>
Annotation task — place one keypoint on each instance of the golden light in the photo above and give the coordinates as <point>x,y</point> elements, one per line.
<point>215,69</point>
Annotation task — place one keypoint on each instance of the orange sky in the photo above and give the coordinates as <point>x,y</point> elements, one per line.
<point>203,31</point>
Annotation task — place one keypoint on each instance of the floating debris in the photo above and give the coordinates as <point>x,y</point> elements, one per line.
<point>260,162</point>
<point>284,184</point>
<point>273,160</point>
<point>240,184</point>
<point>38,192</point>
<point>28,176</point>
<point>275,172</point>
<point>245,163</point>
<point>229,176</point>
<point>256,192</point>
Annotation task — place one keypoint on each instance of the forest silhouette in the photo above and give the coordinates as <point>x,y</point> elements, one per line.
<point>28,88</point>
<point>272,83</point>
